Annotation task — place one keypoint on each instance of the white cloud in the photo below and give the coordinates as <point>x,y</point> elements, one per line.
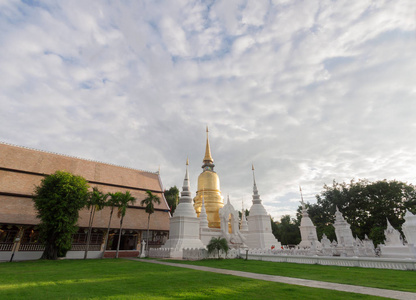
<point>307,91</point>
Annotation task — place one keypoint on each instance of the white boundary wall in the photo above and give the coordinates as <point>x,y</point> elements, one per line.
<point>34,255</point>
<point>363,262</point>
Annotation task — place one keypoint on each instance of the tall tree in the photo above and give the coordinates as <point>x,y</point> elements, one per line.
<point>96,202</point>
<point>113,201</point>
<point>172,197</point>
<point>365,205</point>
<point>218,244</point>
<point>58,200</point>
<point>149,202</point>
<point>287,231</point>
<point>124,200</point>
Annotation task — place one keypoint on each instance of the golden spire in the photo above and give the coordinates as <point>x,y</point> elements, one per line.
<point>208,158</point>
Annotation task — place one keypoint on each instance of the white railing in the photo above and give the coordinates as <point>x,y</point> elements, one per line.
<point>363,262</point>
<point>197,254</point>
<point>159,252</point>
<point>31,247</point>
<point>6,246</point>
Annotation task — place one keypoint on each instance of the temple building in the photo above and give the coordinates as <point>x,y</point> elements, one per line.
<point>21,169</point>
<point>194,227</point>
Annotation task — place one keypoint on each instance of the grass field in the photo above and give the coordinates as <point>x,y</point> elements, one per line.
<point>379,278</point>
<point>126,279</point>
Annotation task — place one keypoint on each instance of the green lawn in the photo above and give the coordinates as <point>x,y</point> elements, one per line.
<point>126,279</point>
<point>379,278</point>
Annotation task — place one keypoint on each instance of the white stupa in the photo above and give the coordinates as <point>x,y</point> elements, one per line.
<point>259,234</point>
<point>307,229</point>
<point>393,236</point>
<point>343,231</point>
<point>409,228</point>
<point>184,224</point>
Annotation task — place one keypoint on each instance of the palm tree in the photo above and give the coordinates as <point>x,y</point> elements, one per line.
<point>150,208</point>
<point>122,208</point>
<point>96,202</point>
<point>113,201</point>
<point>218,244</point>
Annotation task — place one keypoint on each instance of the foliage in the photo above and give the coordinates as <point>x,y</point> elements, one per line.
<point>172,197</point>
<point>58,200</point>
<point>218,244</point>
<point>246,211</point>
<point>127,279</point>
<point>97,200</point>
<point>113,201</point>
<point>286,231</point>
<point>365,206</point>
<point>123,200</point>
<point>149,202</point>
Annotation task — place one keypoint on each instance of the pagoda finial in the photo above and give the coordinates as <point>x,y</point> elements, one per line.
<point>301,197</point>
<point>208,158</point>
<point>256,196</point>
<point>254,178</point>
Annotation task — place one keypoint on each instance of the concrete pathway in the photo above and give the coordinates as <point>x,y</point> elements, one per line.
<point>296,281</point>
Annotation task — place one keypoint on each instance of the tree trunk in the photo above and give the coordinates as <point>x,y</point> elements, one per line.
<point>147,243</point>
<point>51,251</point>
<point>119,236</point>
<point>92,213</point>
<point>108,231</point>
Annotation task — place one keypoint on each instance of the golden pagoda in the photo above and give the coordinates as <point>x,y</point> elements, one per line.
<point>209,190</point>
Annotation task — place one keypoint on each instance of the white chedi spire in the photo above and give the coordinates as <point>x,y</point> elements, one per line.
<point>257,208</point>
<point>185,207</point>
<point>186,188</point>
<point>184,224</point>
<point>203,217</point>
<point>256,196</point>
<point>259,234</point>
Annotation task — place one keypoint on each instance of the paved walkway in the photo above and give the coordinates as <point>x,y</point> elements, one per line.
<point>296,281</point>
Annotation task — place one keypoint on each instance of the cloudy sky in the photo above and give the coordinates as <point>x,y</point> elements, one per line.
<point>308,91</point>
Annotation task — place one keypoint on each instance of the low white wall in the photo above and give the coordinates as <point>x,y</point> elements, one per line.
<point>363,262</point>
<point>33,255</point>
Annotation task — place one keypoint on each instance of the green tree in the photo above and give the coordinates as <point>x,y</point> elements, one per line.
<point>365,206</point>
<point>172,197</point>
<point>113,201</point>
<point>149,202</point>
<point>96,201</point>
<point>58,200</point>
<point>246,212</point>
<point>218,244</point>
<point>287,231</point>
<point>123,203</point>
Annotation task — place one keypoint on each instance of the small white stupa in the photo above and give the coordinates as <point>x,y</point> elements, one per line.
<point>184,225</point>
<point>307,229</point>
<point>409,228</point>
<point>393,236</point>
<point>343,231</point>
<point>393,245</point>
<point>260,234</point>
